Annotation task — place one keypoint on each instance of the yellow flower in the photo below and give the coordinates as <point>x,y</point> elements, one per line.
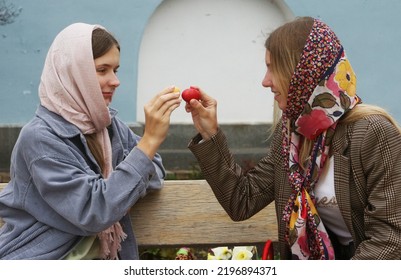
<point>242,253</point>
<point>211,257</point>
<point>345,77</point>
<point>220,253</point>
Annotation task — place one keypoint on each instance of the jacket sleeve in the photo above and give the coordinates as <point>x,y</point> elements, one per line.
<point>376,163</point>
<point>241,194</point>
<point>81,202</point>
<point>155,182</point>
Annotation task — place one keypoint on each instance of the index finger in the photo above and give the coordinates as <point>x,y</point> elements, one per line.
<point>204,96</point>
<point>165,91</point>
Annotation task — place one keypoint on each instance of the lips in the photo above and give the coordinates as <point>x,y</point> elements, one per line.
<point>108,97</point>
<point>108,94</point>
<point>276,94</point>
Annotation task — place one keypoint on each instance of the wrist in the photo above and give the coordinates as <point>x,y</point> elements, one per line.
<point>148,146</point>
<point>209,134</point>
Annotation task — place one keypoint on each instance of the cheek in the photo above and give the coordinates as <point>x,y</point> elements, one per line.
<point>101,80</point>
<point>283,102</point>
<point>283,105</point>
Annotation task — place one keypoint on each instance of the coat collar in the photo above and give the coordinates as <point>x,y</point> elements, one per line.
<point>59,125</point>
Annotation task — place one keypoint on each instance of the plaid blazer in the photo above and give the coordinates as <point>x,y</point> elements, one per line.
<point>367,177</point>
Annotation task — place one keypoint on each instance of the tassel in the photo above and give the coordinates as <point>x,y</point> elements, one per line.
<point>110,241</point>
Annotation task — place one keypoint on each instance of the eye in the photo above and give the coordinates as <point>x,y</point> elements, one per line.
<point>101,70</point>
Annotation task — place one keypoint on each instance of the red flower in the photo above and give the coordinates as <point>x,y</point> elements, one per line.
<point>313,124</point>
<point>304,245</point>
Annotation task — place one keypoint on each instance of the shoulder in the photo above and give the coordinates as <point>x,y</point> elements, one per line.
<point>367,119</point>
<point>37,131</point>
<point>375,126</point>
<point>38,140</point>
<point>375,136</point>
<point>371,117</point>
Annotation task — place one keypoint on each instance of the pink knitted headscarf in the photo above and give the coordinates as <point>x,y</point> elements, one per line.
<point>69,87</point>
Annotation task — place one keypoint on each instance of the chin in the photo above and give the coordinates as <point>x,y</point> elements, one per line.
<point>282,107</point>
<point>107,102</point>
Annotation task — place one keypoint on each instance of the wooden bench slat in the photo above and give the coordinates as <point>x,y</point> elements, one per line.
<point>186,212</point>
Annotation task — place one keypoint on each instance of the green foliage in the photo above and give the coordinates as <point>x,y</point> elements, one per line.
<point>169,253</point>
<point>193,173</point>
<point>157,254</point>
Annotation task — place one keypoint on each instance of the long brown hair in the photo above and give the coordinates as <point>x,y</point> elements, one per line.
<point>102,42</point>
<point>285,45</point>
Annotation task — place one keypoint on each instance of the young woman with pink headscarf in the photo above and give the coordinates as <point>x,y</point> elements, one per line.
<point>334,166</point>
<point>76,169</point>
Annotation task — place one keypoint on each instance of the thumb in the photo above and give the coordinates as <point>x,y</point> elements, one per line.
<point>196,105</point>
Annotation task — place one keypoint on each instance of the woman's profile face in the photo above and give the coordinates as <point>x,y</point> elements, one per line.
<point>270,81</point>
<point>106,72</point>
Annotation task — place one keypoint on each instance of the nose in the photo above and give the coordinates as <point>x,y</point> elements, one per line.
<point>114,81</point>
<point>267,80</point>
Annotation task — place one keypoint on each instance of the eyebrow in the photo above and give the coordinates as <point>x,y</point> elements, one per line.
<point>107,65</point>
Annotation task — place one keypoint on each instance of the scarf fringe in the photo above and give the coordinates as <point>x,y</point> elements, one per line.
<point>110,241</point>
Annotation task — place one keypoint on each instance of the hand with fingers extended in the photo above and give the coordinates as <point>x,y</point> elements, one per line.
<point>157,119</point>
<point>204,114</point>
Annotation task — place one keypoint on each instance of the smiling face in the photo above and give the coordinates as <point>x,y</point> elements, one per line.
<point>106,72</point>
<point>270,81</point>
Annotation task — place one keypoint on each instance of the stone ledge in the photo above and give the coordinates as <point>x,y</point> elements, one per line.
<point>248,142</point>
<point>4,177</point>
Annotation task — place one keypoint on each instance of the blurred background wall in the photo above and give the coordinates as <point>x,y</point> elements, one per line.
<point>215,44</point>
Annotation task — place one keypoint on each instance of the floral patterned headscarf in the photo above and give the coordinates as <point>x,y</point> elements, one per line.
<point>322,89</point>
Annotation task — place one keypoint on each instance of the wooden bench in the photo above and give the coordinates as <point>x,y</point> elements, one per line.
<point>186,213</point>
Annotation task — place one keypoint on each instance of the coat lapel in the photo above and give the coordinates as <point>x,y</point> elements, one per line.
<point>342,163</point>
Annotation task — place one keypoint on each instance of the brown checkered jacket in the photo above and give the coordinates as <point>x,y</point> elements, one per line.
<point>367,176</point>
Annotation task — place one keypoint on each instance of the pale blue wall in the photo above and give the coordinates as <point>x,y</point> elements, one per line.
<point>369,30</point>
<point>24,44</point>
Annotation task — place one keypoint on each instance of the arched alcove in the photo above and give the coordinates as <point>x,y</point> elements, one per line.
<point>215,44</point>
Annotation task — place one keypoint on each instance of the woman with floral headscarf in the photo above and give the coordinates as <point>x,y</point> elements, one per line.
<point>334,165</point>
<point>77,169</point>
